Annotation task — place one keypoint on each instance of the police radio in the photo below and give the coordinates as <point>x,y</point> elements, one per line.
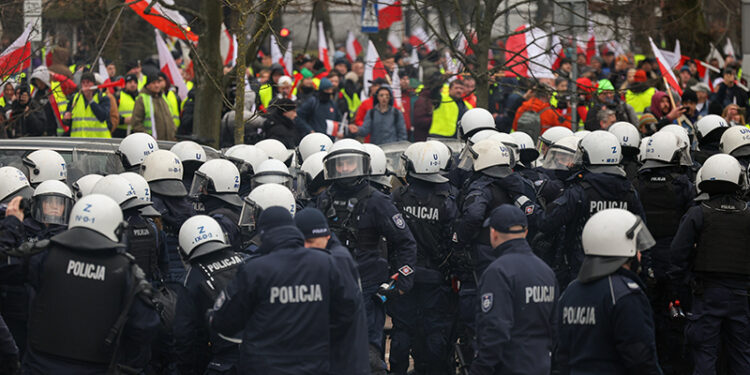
<point>388,288</point>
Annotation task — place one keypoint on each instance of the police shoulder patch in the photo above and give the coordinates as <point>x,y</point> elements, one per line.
<point>487,300</point>
<point>399,221</point>
<point>529,209</point>
<point>406,270</point>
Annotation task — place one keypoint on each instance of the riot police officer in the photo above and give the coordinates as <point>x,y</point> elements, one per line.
<point>143,193</point>
<point>709,130</point>
<point>134,148</point>
<point>261,198</point>
<point>605,324</point>
<point>89,312</point>
<point>43,165</point>
<point>247,159</point>
<point>312,144</point>
<point>516,326</point>
<point>360,216</point>
<point>283,303</point>
<point>14,189</point>
<point>422,321</point>
<point>558,164</point>
<point>550,136</point>
<point>311,181</point>
<point>192,156</point>
<point>380,176</point>
<point>711,245</point>
<point>736,142</point>
<point>527,157</point>
<point>214,191</point>
<point>273,171</point>
<point>630,139</point>
<point>276,150</point>
<point>601,185</point>
<point>212,266</point>
<point>473,122</point>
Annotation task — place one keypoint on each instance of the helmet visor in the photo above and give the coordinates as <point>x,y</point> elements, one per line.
<point>242,166</point>
<point>466,158</point>
<point>346,165</point>
<point>272,178</point>
<point>199,185</point>
<point>249,215</point>
<point>560,159</point>
<point>684,157</point>
<point>52,209</point>
<point>643,238</point>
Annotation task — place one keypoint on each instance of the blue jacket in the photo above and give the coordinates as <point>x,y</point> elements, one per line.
<point>606,327</point>
<point>385,127</point>
<point>285,301</point>
<point>312,115</point>
<point>516,325</point>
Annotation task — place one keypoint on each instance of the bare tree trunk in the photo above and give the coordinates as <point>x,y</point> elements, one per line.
<point>208,71</point>
<point>239,101</point>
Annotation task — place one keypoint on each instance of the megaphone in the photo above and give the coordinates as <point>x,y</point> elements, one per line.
<point>119,83</point>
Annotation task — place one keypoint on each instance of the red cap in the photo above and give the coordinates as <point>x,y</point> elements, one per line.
<point>585,85</point>
<point>640,76</point>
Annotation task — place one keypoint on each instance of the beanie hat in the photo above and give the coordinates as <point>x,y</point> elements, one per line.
<point>640,76</point>
<point>325,84</point>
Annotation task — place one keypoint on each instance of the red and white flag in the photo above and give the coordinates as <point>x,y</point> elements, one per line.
<point>169,21</point>
<point>526,53</point>
<point>666,71</point>
<point>17,56</point>
<point>729,48</point>
<point>394,41</point>
<point>673,57</point>
<point>323,48</point>
<point>420,38</point>
<point>389,11</point>
<point>556,53</point>
<point>396,89</point>
<point>335,128</point>
<point>276,55</point>
<point>374,68</point>
<point>714,54</point>
<point>353,48</point>
<point>169,67</point>
<point>227,47</point>
<point>288,62</point>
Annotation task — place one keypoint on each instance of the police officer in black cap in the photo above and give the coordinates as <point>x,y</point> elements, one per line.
<point>711,246</point>
<point>605,321</point>
<point>212,266</point>
<point>516,325</point>
<point>349,354</point>
<point>90,312</point>
<point>284,303</point>
<point>361,216</point>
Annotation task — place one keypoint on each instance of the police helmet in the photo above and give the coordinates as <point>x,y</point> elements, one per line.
<point>83,185</point>
<point>347,161</point>
<point>119,189</point>
<point>610,238</point>
<point>710,128</point>
<point>582,134</point>
<point>272,171</point>
<point>247,158</point>
<point>201,235</point>
<point>142,192</point>
<point>51,202</point>
<point>475,120</point>
<point>466,158</point>
<point>699,194</point>
<point>219,178</point>
<point>445,154</point>
<point>482,134</point>
<point>509,142</point>
<point>492,158</point>
<point>189,151</point>
<point>95,213</point>
<point>527,154</point>
<point>134,148</point>
<point>679,131</point>
<point>379,172</point>
<point>664,149</point>
<point>311,144</point>
<point>276,150</point>
<point>310,177</point>
<point>642,148</point>
<point>13,183</point>
<point>736,141</point>
<point>601,152</point>
<point>43,165</point>
<point>163,171</point>
<point>722,173</point>
<point>262,197</point>
<point>421,160</point>
<point>554,134</point>
<point>563,155</point>
<point>627,133</point>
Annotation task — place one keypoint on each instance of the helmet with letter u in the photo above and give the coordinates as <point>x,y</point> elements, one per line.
<point>134,148</point>
<point>162,170</point>
<point>422,160</point>
<point>492,158</point>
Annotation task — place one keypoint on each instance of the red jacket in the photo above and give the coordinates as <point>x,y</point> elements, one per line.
<point>549,118</point>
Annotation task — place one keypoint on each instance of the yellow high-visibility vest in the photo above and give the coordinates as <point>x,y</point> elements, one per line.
<point>85,123</point>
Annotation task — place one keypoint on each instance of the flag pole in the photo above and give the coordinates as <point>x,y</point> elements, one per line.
<point>671,100</point>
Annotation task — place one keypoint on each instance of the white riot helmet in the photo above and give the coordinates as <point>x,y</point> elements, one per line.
<point>51,202</point>
<point>722,173</point>
<point>627,133</point>
<point>163,171</point>
<point>554,134</point>
<point>378,165</point>
<point>272,171</point>
<point>142,192</point>
<point>201,235</point>
<point>134,148</point>
<point>474,120</point>
<point>482,134</point>
<point>610,238</point>
<point>466,158</point>
<point>445,154</point>
<point>311,144</point>
<point>119,189</point>
<point>664,149</point>
<point>582,133</point>
<point>44,165</point>
<point>563,155</point>
<point>310,177</point>
<point>736,141</point>
<point>509,142</point>
<point>98,213</point>
<point>189,151</point>
<point>710,128</point>
<point>642,148</point>
<point>275,149</point>
<point>699,194</point>
<point>247,158</point>
<point>679,131</point>
<point>347,161</point>
<point>422,161</point>
<point>219,178</point>
<point>526,151</point>
<point>601,152</point>
<point>13,183</point>
<point>85,184</point>
<point>492,158</point>
<point>263,197</point>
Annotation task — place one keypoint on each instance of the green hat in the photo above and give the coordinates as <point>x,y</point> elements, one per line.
<point>306,73</point>
<point>604,85</point>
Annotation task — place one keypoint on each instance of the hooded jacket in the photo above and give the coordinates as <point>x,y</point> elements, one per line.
<point>385,127</point>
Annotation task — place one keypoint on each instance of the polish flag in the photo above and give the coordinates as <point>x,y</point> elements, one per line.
<point>288,64</point>
<point>169,67</point>
<point>729,48</point>
<point>389,11</point>
<point>227,46</point>
<point>276,55</point>
<point>463,44</point>
<point>673,57</point>
<point>169,21</point>
<point>353,48</point>
<point>394,41</point>
<point>323,47</point>
<point>335,128</point>
<point>714,54</point>
<point>419,38</point>
<point>526,53</point>
<point>590,45</point>
<point>396,89</point>
<point>666,72</point>
<point>17,56</point>
<point>374,68</point>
